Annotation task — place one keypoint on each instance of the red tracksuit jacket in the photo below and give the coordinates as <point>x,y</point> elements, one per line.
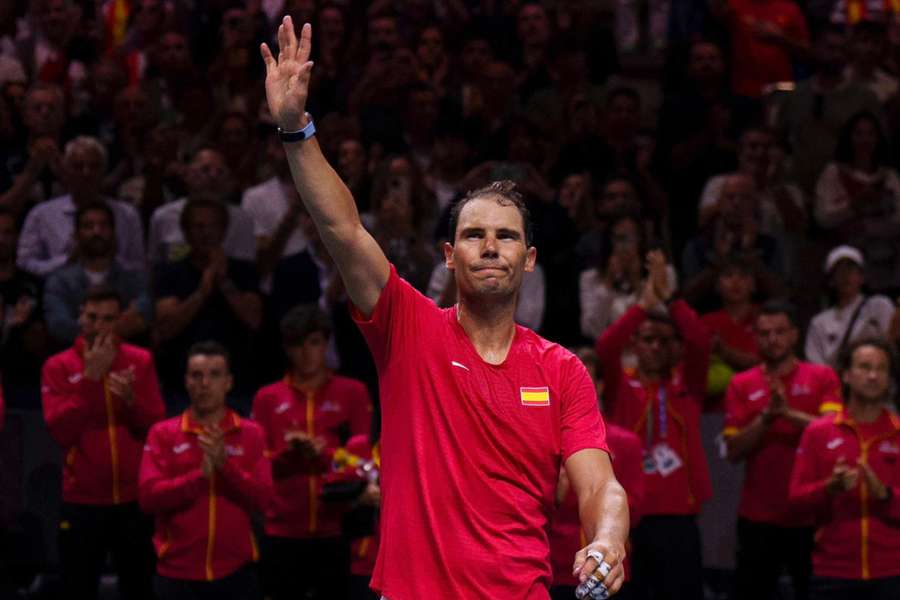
<point>101,438</point>
<point>636,407</point>
<point>857,536</point>
<point>566,534</point>
<point>339,407</point>
<point>203,527</point>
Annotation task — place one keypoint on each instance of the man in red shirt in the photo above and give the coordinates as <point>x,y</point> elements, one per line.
<point>479,414</point>
<point>100,397</point>
<point>766,411</point>
<point>660,400</point>
<point>306,417</point>
<point>847,476</point>
<point>203,474</point>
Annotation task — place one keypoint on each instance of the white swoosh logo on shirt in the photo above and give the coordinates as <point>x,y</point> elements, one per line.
<point>832,444</point>
<point>460,365</point>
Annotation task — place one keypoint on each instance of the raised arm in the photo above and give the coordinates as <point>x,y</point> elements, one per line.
<point>362,264</point>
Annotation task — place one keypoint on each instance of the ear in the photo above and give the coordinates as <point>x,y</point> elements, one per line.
<point>448,255</point>
<point>230,383</point>
<point>530,259</point>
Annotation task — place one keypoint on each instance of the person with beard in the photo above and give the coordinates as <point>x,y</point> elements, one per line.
<point>846,475</point>
<point>766,410</point>
<point>479,414</point>
<point>94,263</point>
<point>100,398</point>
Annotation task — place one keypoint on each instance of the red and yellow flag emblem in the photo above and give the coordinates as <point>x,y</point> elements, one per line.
<point>535,396</point>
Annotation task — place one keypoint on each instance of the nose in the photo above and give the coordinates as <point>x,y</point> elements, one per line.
<point>489,247</point>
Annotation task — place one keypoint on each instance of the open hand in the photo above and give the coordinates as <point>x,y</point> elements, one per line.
<point>99,356</point>
<point>121,384</point>
<point>287,77</point>
<point>212,442</point>
<point>843,477</point>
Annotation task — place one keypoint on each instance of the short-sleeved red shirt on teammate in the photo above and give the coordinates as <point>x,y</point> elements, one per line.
<point>470,452</point>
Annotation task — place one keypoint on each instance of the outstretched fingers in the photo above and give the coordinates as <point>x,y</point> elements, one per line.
<point>267,57</point>
<point>305,43</point>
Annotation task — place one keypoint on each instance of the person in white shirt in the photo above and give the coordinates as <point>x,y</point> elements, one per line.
<point>47,238</point>
<point>208,178</point>
<point>854,315</point>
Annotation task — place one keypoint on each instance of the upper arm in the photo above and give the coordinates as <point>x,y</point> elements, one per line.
<point>363,266</point>
<point>166,307</point>
<point>589,470</point>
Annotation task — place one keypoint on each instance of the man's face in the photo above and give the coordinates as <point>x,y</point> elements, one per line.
<point>9,238</point>
<point>868,377</point>
<point>572,191</point>
<point>383,34</point>
<point>847,278</point>
<point>653,344</point>
<point>84,169</point>
<point>208,381</point>
<point>331,24</point>
<point>489,255</point>
<point>706,62</point>
<point>476,55</point>
<point>776,337</point>
<point>737,202</point>
<point>209,175</point>
<point>351,159</point>
<point>431,47</point>
<point>736,286</point>
<point>422,109</point>
<point>95,235</point>
<point>205,230</point>
<point>43,112</point>
<point>173,53</point>
<point>830,52</point>
<point>132,107</point>
<point>623,115</point>
<point>754,151</point>
<point>55,19</point>
<point>98,318</point>
<point>308,358</point>
<point>533,26</point>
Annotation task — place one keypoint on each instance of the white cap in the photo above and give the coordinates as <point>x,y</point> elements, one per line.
<point>843,253</point>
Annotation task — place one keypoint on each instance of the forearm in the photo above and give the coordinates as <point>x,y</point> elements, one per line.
<point>799,418</point>
<point>247,307</point>
<point>604,513</point>
<point>743,442</point>
<point>171,322</point>
<point>737,359</point>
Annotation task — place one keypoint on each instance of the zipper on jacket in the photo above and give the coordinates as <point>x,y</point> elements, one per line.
<point>211,539</point>
<point>113,447</point>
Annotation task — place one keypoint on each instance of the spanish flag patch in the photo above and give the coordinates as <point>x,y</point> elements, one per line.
<point>535,396</point>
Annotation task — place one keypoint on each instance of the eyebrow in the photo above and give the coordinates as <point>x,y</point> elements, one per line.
<point>500,231</point>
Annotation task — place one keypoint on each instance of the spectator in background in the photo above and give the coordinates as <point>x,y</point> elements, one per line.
<point>100,398</point>
<point>353,167</point>
<point>23,335</point>
<point>868,44</point>
<point>534,33</point>
<point>661,400</point>
<point>565,532</point>
<point>48,240</point>
<point>235,137</point>
<point>766,410</point>
<point>858,199</point>
<point>203,475</point>
<point>94,263</point>
<point>812,116</point>
<point>47,54</point>
<point>853,316</point>
<point>198,295</point>
<point>846,477</point>
<point>732,326</point>
<point>33,171</point>
<point>208,178</point>
<point>306,417</point>
<point>609,289</point>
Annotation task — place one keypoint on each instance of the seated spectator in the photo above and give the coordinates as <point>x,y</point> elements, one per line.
<point>867,47</point>
<point>274,206</point>
<point>732,326</point>
<point>853,316</point>
<point>23,335</point>
<point>609,289</point>
<point>206,296</point>
<point>47,239</point>
<point>48,51</point>
<point>306,417</point>
<point>203,476</point>
<point>100,398</point>
<point>353,167</point>
<point>618,196</point>
<point>811,117</point>
<point>94,263</point>
<point>845,476</point>
<point>207,178</point>
<point>858,199</point>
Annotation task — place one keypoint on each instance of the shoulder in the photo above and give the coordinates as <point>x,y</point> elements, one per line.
<point>121,207</point>
<point>61,360</point>
<point>169,211</point>
<point>549,354</point>
<point>822,425</point>
<point>815,371</point>
<point>348,384</point>
<point>63,274</point>
<point>748,377</point>
<point>273,390</point>
<point>141,355</point>
<point>880,302</point>
<point>252,430</point>
<point>822,318</point>
<point>255,196</point>
<point>166,427</point>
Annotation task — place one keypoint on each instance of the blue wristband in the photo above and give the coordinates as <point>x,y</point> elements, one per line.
<point>300,135</point>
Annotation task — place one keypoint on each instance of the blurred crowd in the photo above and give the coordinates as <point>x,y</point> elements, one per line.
<point>717,155</point>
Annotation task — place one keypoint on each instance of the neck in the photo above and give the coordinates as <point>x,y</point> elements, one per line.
<point>490,327</point>
<point>207,418</point>
<point>739,310</point>
<point>846,299</point>
<point>97,264</point>
<point>781,367</point>
<point>649,376</point>
<point>864,410</point>
<point>308,380</point>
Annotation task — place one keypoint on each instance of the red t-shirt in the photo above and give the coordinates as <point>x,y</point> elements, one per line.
<point>755,62</point>
<point>470,452</point>
<point>811,388</point>
<point>734,334</point>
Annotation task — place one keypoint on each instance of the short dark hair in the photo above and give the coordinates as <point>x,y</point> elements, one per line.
<point>845,358</point>
<point>780,307</point>
<point>302,321</point>
<point>103,293</point>
<point>209,348</point>
<point>95,207</point>
<point>506,194</point>
<point>199,203</point>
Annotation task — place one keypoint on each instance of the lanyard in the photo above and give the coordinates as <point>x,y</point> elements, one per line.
<point>661,396</point>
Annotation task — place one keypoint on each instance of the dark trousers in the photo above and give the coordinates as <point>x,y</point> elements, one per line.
<point>827,588</point>
<point>87,534</point>
<point>764,551</point>
<point>359,588</point>
<point>243,584</point>
<point>665,558</point>
<point>312,569</point>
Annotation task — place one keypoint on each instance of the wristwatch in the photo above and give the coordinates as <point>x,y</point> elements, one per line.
<point>300,135</point>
